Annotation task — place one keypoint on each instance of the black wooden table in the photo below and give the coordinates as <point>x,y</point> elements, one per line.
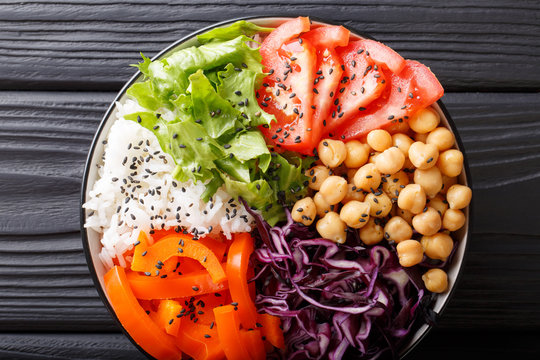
<point>62,62</point>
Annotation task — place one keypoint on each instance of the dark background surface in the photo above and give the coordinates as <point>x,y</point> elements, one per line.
<point>62,63</point>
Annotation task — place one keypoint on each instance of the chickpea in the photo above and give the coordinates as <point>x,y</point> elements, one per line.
<point>332,152</point>
<point>441,137</point>
<point>424,120</point>
<point>439,204</point>
<point>332,227</point>
<point>420,137</point>
<point>453,220</point>
<point>435,280</point>
<point>317,175</point>
<point>459,196</point>
<point>451,162</point>
<point>357,154</point>
<point>447,183</point>
<point>390,161</point>
<point>397,229</point>
<point>410,252</point>
<point>353,193</point>
<point>379,140</point>
<point>380,205</point>
<point>404,214</point>
<point>402,142</point>
<point>423,156</point>
<point>304,211</point>
<point>372,233</point>
<point>399,126</point>
<point>412,198</point>
<point>438,246</point>
<point>427,222</point>
<point>355,214</point>
<point>323,207</point>
<point>430,180</point>
<point>393,185</point>
<point>367,177</point>
<point>334,189</point>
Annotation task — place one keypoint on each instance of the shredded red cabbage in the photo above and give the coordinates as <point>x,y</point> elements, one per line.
<point>335,301</point>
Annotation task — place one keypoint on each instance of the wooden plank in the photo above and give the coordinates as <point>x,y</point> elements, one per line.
<point>44,281</point>
<point>439,344</point>
<point>73,45</point>
<point>67,346</point>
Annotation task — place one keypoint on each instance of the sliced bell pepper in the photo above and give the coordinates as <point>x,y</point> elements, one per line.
<point>200,341</point>
<point>135,320</point>
<point>237,270</point>
<point>166,318</point>
<point>228,328</point>
<point>198,335</point>
<point>190,284</point>
<point>271,330</point>
<point>150,259</point>
<point>254,344</point>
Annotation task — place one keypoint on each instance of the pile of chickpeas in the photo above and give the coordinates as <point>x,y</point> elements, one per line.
<point>400,185</point>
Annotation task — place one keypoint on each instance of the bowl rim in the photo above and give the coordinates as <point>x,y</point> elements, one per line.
<point>406,352</point>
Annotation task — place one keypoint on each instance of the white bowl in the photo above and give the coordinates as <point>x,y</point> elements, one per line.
<point>90,238</point>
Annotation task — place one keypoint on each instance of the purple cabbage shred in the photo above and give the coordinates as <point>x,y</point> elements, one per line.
<point>335,301</point>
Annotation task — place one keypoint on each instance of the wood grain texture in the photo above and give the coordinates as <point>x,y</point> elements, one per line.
<point>87,45</point>
<point>439,344</point>
<point>44,281</point>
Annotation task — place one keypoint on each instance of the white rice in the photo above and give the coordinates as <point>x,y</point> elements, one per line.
<point>136,192</point>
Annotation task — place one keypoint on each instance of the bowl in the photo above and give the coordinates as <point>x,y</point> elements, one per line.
<point>90,238</point>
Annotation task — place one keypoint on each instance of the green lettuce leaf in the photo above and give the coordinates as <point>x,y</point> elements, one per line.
<point>215,113</point>
<point>232,31</point>
<point>250,145</point>
<point>237,87</point>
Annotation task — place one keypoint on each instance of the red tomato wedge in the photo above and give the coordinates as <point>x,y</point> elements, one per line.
<point>287,92</point>
<point>413,89</point>
<point>328,74</point>
<point>383,56</point>
<point>362,82</point>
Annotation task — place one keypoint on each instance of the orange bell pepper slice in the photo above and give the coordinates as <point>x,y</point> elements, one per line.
<point>135,320</point>
<point>237,272</point>
<point>166,318</point>
<point>198,335</point>
<point>228,328</point>
<point>271,330</point>
<point>150,259</point>
<point>254,344</point>
<point>173,286</point>
<point>199,341</point>
<point>217,246</point>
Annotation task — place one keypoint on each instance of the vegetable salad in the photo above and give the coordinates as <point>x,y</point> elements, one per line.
<point>329,147</point>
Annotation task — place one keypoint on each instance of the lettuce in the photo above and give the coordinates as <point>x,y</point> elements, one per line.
<point>239,28</point>
<point>213,137</point>
<point>235,85</point>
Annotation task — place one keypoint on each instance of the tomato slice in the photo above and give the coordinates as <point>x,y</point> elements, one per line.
<point>413,89</point>
<point>287,92</point>
<point>328,74</point>
<point>362,82</point>
<point>383,55</point>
